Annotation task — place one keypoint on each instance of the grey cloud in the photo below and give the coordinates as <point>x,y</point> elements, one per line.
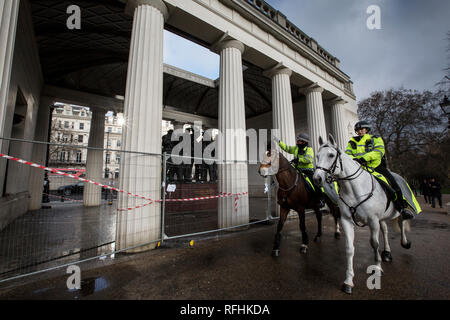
<point>409,51</point>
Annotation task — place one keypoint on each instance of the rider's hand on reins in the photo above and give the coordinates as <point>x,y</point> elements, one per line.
<point>361,161</point>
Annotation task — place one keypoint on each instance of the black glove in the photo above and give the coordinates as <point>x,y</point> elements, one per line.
<point>361,161</point>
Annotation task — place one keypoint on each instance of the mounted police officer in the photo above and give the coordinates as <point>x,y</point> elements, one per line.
<point>369,151</point>
<point>303,158</point>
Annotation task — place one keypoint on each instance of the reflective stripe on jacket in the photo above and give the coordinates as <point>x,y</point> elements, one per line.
<point>305,159</point>
<point>370,148</point>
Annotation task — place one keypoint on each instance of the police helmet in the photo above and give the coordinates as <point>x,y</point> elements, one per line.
<point>362,124</point>
<point>303,137</point>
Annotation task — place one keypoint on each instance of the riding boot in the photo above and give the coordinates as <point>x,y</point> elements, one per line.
<point>403,208</point>
<point>399,203</point>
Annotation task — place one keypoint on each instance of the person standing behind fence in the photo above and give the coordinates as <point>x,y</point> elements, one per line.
<point>435,192</point>
<point>425,190</point>
<point>167,148</point>
<point>211,168</point>
<point>187,162</point>
<point>198,174</point>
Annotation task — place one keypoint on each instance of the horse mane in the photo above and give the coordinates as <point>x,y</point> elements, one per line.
<point>284,162</point>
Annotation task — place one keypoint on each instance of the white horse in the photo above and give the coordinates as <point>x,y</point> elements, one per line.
<point>361,200</point>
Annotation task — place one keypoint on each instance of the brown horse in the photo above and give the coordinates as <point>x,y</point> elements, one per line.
<point>293,195</point>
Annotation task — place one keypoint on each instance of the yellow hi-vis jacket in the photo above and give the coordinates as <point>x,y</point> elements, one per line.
<point>368,147</point>
<point>305,156</point>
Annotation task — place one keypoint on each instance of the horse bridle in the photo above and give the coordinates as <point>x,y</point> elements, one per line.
<point>331,178</point>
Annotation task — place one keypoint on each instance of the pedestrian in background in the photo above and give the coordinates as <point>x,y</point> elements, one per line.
<point>435,192</point>
<point>425,191</point>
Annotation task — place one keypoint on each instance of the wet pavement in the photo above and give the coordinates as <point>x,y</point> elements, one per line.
<point>238,265</point>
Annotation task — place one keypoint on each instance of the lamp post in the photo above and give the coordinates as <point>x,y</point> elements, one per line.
<point>445,106</point>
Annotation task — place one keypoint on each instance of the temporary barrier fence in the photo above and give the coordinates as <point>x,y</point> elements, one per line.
<point>67,229</point>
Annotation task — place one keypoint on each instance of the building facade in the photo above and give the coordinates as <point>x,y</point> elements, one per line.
<point>272,76</point>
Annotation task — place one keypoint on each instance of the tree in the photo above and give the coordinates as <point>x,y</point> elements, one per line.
<point>413,128</point>
<point>444,84</point>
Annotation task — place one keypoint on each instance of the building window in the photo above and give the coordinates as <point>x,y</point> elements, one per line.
<point>66,124</point>
<point>78,160</point>
<point>118,143</point>
<point>118,158</point>
<point>109,130</point>
<point>108,143</point>
<point>81,125</point>
<point>63,156</point>
<point>108,158</point>
<point>80,138</point>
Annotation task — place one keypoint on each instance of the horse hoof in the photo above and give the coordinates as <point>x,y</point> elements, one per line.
<point>407,245</point>
<point>303,249</point>
<point>337,235</point>
<point>275,253</point>
<point>347,289</point>
<point>386,256</point>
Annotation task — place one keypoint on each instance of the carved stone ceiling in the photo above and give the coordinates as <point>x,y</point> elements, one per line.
<point>95,58</point>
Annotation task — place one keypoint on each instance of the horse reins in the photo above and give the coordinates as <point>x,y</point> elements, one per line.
<point>332,178</point>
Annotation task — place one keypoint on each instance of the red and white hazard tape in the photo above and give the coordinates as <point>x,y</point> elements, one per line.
<point>53,170</point>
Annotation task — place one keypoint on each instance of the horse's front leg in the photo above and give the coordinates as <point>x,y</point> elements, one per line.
<point>305,239</point>
<point>336,216</point>
<point>348,227</point>
<point>276,245</point>
<point>337,229</point>
<point>386,254</point>
<point>374,226</point>
<point>319,224</point>
<point>403,226</point>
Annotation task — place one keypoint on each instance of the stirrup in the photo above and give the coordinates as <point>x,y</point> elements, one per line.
<point>321,203</point>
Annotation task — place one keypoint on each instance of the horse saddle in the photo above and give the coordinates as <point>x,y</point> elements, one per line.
<point>330,190</point>
<point>407,194</point>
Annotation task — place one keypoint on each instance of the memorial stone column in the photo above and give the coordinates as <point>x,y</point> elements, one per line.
<point>338,123</point>
<point>232,146</point>
<point>36,181</point>
<point>94,160</point>
<point>315,115</point>
<point>141,171</point>
<point>282,110</point>
<point>9,11</point>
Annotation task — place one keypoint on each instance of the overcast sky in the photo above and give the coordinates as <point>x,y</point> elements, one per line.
<point>409,50</point>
